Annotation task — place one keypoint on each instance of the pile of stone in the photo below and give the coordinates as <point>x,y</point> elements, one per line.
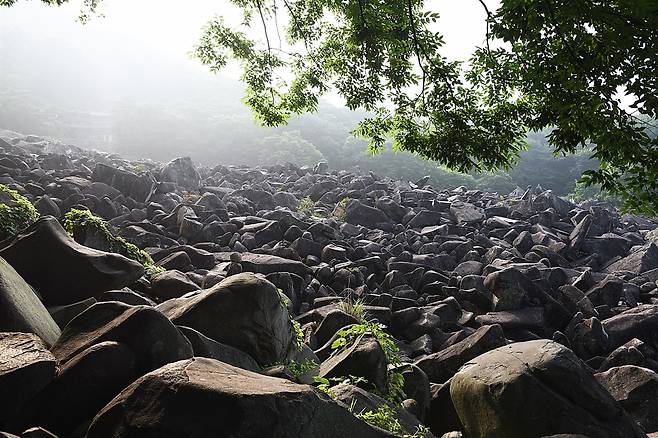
<point>512,316</point>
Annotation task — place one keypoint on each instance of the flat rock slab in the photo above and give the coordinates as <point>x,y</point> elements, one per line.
<point>265,264</point>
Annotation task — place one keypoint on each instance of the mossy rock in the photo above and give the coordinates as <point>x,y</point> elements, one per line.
<point>92,231</point>
<point>16,212</point>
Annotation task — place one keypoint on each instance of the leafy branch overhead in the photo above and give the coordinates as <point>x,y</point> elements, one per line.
<point>560,64</point>
<point>586,69</point>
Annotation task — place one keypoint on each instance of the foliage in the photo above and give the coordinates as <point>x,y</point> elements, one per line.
<point>324,385</point>
<point>340,212</point>
<point>16,212</point>
<point>348,336</point>
<point>306,206</point>
<point>557,64</point>
<point>298,339</point>
<point>300,368</point>
<point>582,193</point>
<point>79,223</point>
<point>354,308</point>
<point>384,418</point>
<point>562,65</point>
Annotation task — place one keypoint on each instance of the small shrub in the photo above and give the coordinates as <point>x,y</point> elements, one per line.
<point>384,418</point>
<point>298,339</point>
<point>353,307</point>
<point>306,206</point>
<point>348,336</point>
<point>298,369</point>
<point>16,212</point>
<point>340,212</point>
<point>80,222</point>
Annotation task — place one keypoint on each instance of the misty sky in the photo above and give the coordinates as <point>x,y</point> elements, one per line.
<point>139,49</point>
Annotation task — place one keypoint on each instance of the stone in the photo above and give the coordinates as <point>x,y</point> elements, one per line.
<point>203,346</point>
<point>182,172</point>
<point>82,387</point>
<point>640,322</point>
<point>26,367</point>
<point>244,311</point>
<point>364,357</point>
<point>171,284</point>
<point>152,338</point>
<point>535,388</point>
<point>358,213</point>
<point>636,389</point>
<point>441,366</point>
<point>20,308</point>
<point>62,270</point>
<point>205,397</point>
<point>640,260</point>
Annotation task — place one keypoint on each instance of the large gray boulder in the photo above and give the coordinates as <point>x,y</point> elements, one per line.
<point>20,308</point>
<point>244,311</point>
<point>636,389</point>
<point>534,389</point>
<point>182,172</point>
<point>62,270</point>
<point>207,398</point>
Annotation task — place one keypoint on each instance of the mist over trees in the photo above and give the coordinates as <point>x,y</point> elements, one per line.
<point>160,113</point>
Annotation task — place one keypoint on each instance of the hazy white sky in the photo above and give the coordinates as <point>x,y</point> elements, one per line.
<point>139,38</point>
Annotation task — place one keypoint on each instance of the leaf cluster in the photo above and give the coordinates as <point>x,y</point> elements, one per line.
<point>16,212</point>
<point>78,223</point>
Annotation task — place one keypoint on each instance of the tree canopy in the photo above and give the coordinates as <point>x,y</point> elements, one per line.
<point>585,69</point>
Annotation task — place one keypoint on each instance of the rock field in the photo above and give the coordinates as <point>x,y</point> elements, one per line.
<point>181,301</point>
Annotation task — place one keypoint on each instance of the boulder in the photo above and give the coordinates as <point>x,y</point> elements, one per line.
<point>62,270</point>
<point>364,357</point>
<point>82,387</point>
<point>535,388</point>
<point>204,397</point>
<point>152,338</point>
<point>182,172</point>
<point>203,346</point>
<point>20,308</point>
<point>26,367</point>
<point>442,365</point>
<point>636,389</point>
<point>244,311</point>
<point>640,260</point>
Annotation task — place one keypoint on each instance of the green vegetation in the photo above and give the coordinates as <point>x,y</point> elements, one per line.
<point>300,368</point>
<point>354,308</point>
<point>306,206</point>
<point>83,224</point>
<point>340,213</point>
<point>16,212</point>
<point>385,418</point>
<point>348,336</point>
<point>298,339</point>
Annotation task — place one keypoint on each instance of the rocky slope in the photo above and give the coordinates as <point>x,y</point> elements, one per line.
<point>286,301</point>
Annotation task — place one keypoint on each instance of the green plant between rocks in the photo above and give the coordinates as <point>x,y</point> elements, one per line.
<point>16,212</point>
<point>356,308</point>
<point>385,418</point>
<point>348,336</point>
<point>298,339</point>
<point>340,211</point>
<point>306,206</point>
<point>80,222</point>
<point>298,369</point>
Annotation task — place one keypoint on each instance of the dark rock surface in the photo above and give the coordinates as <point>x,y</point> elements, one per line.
<point>443,293</point>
